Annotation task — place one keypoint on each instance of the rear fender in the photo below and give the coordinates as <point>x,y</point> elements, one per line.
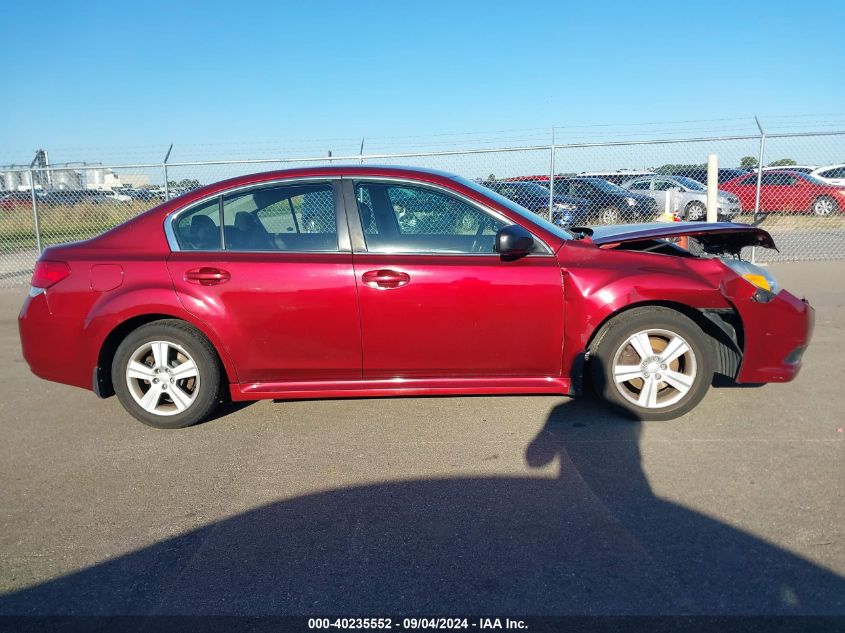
<point>112,310</point>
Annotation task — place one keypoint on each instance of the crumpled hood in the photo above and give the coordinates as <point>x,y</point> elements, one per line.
<point>715,237</point>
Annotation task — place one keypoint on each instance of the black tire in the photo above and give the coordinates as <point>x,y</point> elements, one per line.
<point>695,211</point>
<point>824,206</point>
<point>612,341</point>
<point>208,384</point>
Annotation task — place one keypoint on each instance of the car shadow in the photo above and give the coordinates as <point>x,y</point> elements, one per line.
<point>226,407</point>
<point>586,536</point>
<point>726,382</point>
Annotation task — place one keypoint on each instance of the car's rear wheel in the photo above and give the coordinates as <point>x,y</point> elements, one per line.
<point>824,205</point>
<point>653,363</point>
<point>166,374</point>
<point>696,211</point>
<point>609,215</point>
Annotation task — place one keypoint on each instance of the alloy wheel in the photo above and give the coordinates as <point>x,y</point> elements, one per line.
<point>162,378</point>
<point>824,206</point>
<point>609,215</point>
<point>654,368</point>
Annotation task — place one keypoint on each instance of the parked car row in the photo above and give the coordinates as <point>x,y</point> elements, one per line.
<point>72,197</point>
<point>624,196</point>
<point>641,196</point>
<point>688,197</point>
<point>578,200</point>
<point>69,197</point>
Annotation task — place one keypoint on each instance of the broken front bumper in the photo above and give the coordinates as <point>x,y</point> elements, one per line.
<point>776,332</point>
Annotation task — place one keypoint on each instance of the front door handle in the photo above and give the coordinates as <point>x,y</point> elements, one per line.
<point>207,276</point>
<point>385,278</point>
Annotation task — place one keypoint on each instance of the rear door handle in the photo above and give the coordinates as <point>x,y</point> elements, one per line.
<point>385,278</point>
<point>207,276</point>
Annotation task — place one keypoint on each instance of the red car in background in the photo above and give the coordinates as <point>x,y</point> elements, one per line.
<point>788,191</point>
<point>16,200</point>
<point>374,281</point>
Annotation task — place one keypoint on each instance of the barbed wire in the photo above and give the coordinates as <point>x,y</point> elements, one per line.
<point>350,145</point>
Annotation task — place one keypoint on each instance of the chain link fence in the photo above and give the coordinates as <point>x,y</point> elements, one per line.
<point>798,196</point>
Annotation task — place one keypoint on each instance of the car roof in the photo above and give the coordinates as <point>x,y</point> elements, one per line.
<point>621,172</point>
<point>772,167</point>
<point>317,171</point>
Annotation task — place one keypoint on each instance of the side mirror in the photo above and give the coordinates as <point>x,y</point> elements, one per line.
<point>514,241</point>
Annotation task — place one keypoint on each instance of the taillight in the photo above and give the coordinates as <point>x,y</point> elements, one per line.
<point>48,273</point>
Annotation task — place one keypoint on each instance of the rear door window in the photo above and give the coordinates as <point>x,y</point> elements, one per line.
<point>198,229</point>
<point>296,217</point>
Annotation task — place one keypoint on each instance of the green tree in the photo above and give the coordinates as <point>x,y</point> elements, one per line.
<point>782,162</point>
<point>675,168</point>
<point>748,162</point>
<point>185,183</point>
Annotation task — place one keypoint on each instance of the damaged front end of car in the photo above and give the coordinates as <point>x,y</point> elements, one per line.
<point>768,328</point>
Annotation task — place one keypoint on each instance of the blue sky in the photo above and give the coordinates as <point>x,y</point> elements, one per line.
<point>84,78</point>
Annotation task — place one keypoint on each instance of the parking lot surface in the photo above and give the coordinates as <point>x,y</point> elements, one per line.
<point>484,505</point>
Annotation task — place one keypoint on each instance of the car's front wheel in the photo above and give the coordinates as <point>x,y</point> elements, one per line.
<point>166,374</point>
<point>653,363</point>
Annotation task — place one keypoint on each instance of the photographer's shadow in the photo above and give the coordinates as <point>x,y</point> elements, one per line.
<point>587,536</point>
<point>697,564</point>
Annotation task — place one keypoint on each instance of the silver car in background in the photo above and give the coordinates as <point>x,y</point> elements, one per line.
<point>688,197</point>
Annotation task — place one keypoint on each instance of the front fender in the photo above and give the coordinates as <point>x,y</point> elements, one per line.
<point>599,284</point>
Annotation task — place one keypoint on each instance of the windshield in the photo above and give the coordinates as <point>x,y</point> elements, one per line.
<point>608,186</point>
<point>689,183</point>
<point>811,178</point>
<point>513,206</point>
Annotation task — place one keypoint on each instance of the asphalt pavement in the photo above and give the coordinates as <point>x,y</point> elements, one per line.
<point>487,505</point>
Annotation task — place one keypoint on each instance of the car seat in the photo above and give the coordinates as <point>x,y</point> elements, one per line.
<point>250,234</point>
<point>205,235</point>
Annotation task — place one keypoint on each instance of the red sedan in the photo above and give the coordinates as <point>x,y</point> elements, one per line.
<point>789,191</point>
<point>16,200</point>
<point>368,281</point>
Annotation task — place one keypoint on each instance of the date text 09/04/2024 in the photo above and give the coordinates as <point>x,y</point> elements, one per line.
<point>433,623</point>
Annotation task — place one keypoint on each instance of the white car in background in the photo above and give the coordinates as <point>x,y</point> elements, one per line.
<point>690,196</point>
<point>801,169</point>
<point>118,196</point>
<point>832,174</point>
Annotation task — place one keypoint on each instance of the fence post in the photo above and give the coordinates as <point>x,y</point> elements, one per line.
<point>712,187</point>
<point>552,178</point>
<point>164,168</point>
<point>759,180</point>
<point>35,219</point>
